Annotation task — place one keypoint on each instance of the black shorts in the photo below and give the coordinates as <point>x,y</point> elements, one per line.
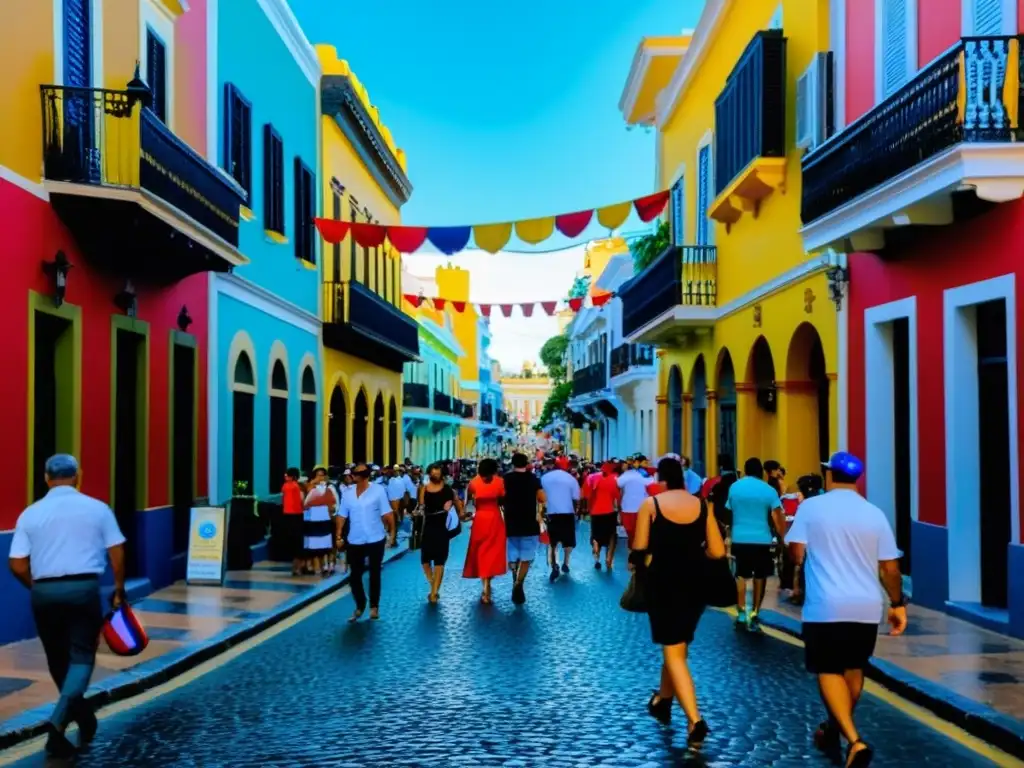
<point>835,647</point>
<point>753,561</point>
<point>603,528</point>
<point>562,530</point>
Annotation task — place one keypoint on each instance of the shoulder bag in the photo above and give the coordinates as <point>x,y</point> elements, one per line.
<point>453,523</point>
<point>719,583</point>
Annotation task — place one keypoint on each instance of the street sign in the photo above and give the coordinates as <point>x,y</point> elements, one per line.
<point>207,545</point>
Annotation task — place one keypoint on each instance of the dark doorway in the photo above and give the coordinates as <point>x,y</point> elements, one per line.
<point>675,410</point>
<point>336,429</point>
<point>392,433</point>
<point>307,422</point>
<point>378,430</point>
<point>818,375</point>
<point>129,450</point>
<point>698,436</point>
<point>727,410</point>
<point>278,427</point>
<point>183,442</point>
<point>53,420</point>
<point>901,437</point>
<point>360,417</point>
<point>993,451</point>
<point>244,414</point>
<point>761,371</point>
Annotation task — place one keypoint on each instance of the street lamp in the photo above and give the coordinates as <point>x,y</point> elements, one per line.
<point>58,270</point>
<point>838,278</point>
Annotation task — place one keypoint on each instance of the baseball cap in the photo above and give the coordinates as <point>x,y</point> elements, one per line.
<point>846,463</point>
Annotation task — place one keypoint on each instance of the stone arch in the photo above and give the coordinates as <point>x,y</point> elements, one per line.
<point>277,368</point>
<point>241,344</point>
<point>308,382</point>
<point>674,394</point>
<point>760,364</point>
<point>808,392</point>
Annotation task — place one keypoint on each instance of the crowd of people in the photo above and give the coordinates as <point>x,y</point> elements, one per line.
<point>829,545</point>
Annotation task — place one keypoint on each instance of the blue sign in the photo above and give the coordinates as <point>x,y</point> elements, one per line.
<point>207,530</point>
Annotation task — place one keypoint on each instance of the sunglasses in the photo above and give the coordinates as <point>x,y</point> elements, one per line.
<point>362,473</point>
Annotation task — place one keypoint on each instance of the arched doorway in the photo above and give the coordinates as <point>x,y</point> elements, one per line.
<point>360,423</point>
<point>243,397</point>
<point>759,426</point>
<point>307,420</point>
<point>337,430</point>
<point>699,387</point>
<point>392,432</point>
<point>675,410</point>
<point>278,427</point>
<point>807,377</point>
<point>378,430</point>
<point>726,411</point>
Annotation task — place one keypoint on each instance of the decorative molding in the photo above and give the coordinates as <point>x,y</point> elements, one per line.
<point>711,18</point>
<point>290,31</point>
<point>638,74</point>
<point>266,301</point>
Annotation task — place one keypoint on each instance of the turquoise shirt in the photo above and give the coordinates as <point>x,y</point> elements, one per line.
<point>752,501</point>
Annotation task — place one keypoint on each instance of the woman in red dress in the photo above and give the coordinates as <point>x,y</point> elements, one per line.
<point>487,556</point>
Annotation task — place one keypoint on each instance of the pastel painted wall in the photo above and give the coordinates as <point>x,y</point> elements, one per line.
<point>190,72</point>
<point>252,56</point>
<point>938,27</point>
<point>860,50</point>
<point>351,374</point>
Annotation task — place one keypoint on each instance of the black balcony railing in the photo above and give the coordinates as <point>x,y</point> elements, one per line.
<point>415,395</point>
<point>503,418</point>
<point>750,112</point>
<point>457,406</point>
<point>626,356</point>
<point>968,94</point>
<point>679,276</point>
<point>109,138</point>
<point>442,402</point>
<point>467,410</point>
<point>372,328</point>
<point>589,379</point>
<point>487,413</point>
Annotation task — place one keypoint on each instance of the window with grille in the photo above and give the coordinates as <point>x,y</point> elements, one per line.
<point>894,46</point>
<point>273,180</point>
<point>156,73</point>
<point>678,213</point>
<point>305,205</point>
<point>237,157</point>
<point>703,195</point>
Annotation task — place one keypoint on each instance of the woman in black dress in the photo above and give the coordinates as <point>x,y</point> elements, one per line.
<point>436,498</point>
<point>675,533</point>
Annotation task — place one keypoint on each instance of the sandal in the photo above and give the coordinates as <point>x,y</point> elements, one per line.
<point>374,614</point>
<point>861,758</point>
<point>826,739</point>
<point>660,709</point>
<point>355,617</point>
<point>699,732</point>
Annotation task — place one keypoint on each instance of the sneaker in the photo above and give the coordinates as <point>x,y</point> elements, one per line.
<point>565,567</point>
<point>554,575</point>
<point>755,624</point>
<point>518,594</point>
<point>741,620</point>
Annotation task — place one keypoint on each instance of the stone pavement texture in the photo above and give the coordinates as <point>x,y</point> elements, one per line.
<point>561,681</point>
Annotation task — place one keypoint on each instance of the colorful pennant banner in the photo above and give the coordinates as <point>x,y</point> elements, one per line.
<point>491,237</point>
<point>525,307</point>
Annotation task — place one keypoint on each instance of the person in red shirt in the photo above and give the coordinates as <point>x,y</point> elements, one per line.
<point>604,502</point>
<point>291,522</point>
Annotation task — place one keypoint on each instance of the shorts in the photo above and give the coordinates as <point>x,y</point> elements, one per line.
<point>753,561</point>
<point>835,647</point>
<point>602,529</point>
<point>562,530</point>
<point>629,523</point>
<point>522,549</point>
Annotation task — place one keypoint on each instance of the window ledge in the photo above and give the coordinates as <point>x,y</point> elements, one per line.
<point>752,185</point>
<point>305,264</point>
<point>275,237</point>
<point>245,213</point>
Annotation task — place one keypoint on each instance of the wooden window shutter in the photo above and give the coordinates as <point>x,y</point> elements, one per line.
<point>894,45</point>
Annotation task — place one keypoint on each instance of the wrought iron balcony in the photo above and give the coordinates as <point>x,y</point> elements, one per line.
<point>954,124</point>
<point>678,277</point>
<point>589,379</point>
<point>415,395</point>
<point>442,402</point>
<point>627,356</point>
<point>360,322</point>
<point>503,419</point>
<point>458,407</point>
<point>487,413</point>
<point>129,189</point>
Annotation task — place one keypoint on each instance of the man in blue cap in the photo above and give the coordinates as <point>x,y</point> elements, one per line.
<point>844,543</point>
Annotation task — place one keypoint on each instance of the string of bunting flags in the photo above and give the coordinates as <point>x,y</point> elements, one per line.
<point>526,307</point>
<point>490,237</point>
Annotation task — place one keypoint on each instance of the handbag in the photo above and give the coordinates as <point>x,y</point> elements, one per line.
<point>453,523</point>
<point>634,599</point>
<point>719,583</point>
<point>124,633</point>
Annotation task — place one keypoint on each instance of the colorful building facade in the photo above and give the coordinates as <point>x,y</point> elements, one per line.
<point>367,337</point>
<point>115,213</point>
<point>741,314</point>
<point>525,393</point>
<point>928,209</point>
<point>490,435</point>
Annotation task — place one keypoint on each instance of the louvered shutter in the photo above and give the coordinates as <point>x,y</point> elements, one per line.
<point>268,177</point>
<point>988,17</point>
<point>894,42</point>
<point>300,231</point>
<point>703,193</point>
<point>677,213</point>
<point>279,181</point>
<point>156,73</point>
<point>77,43</point>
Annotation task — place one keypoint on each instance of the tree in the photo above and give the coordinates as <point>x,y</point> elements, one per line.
<point>580,286</point>
<point>552,354</point>
<point>554,408</point>
<point>649,247</point>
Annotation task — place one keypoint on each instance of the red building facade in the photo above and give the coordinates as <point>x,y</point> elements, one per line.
<point>921,188</point>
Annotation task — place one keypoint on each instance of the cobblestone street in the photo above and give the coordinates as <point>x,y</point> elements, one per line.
<point>561,681</point>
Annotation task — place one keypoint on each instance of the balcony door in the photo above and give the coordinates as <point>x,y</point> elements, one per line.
<point>307,421</point>
<point>129,438</point>
<point>378,430</point>
<point>78,119</point>
<point>336,430</point>
<point>183,439</point>
<point>699,388</point>
<point>675,410</point>
<point>278,427</point>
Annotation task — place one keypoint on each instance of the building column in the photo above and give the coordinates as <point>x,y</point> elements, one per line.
<point>836,413</point>
<point>688,425</point>
<point>798,426</point>
<point>711,438</point>
<point>749,435</point>
<point>662,416</point>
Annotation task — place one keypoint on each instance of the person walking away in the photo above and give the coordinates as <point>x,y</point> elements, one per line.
<point>675,532</point>
<point>775,476</point>
<point>633,484</point>
<point>523,497</point>
<point>753,504</point>
<point>605,499</point>
<point>562,494</point>
<point>59,550</point>
<point>692,479</point>
<point>397,496</point>
<point>371,523</point>
<point>292,524</point>
<point>487,541</point>
<point>844,543</point>
<point>435,499</point>
<point>321,505</point>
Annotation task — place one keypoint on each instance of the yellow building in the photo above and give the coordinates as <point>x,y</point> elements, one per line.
<point>367,336</point>
<point>453,284</point>
<point>525,394</point>
<point>742,316</point>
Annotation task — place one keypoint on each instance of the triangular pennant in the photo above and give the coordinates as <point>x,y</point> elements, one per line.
<point>506,309</point>
<point>332,231</point>
<point>369,235</point>
<point>438,303</point>
<point>650,207</point>
<point>549,306</point>
<point>413,299</point>
<point>572,224</point>
<point>601,299</point>
<point>406,239</point>
<point>527,309</point>
<point>485,309</point>
<point>459,306</point>
<point>575,304</point>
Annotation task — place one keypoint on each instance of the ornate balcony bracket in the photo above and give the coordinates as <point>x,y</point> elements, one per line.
<point>762,177</point>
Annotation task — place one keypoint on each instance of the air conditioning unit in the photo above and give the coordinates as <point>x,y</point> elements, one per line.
<point>815,102</point>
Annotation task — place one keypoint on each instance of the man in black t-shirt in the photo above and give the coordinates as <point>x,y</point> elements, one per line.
<point>523,495</point>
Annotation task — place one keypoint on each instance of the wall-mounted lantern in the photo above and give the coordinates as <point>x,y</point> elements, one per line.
<point>184,319</point>
<point>58,271</point>
<point>838,281</point>
<point>126,300</point>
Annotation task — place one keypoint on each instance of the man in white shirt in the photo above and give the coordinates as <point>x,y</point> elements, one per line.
<point>562,494</point>
<point>370,524</point>
<point>59,550</point>
<point>633,484</point>
<point>692,479</point>
<point>844,543</point>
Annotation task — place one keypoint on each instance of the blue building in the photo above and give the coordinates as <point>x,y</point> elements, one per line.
<point>264,383</point>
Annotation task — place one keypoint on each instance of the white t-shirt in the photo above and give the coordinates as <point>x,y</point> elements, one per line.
<point>364,512</point>
<point>846,537</point>
<point>397,488</point>
<point>561,490</point>
<point>634,489</point>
